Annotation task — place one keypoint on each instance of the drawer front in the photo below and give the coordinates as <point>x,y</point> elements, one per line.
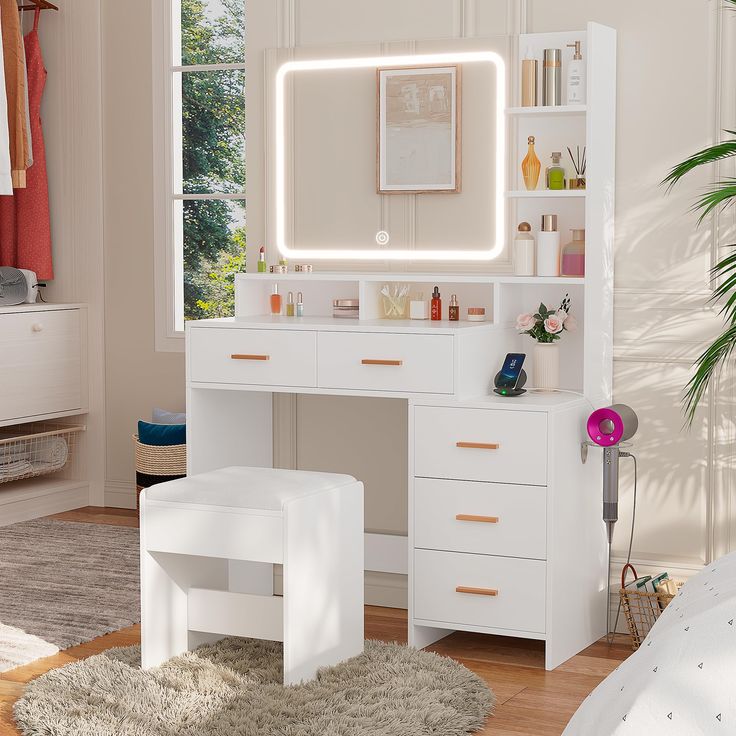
<point>258,357</point>
<point>40,363</point>
<point>387,362</point>
<point>485,518</point>
<point>517,586</point>
<point>481,444</point>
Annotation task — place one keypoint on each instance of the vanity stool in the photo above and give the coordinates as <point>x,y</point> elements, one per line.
<point>208,546</point>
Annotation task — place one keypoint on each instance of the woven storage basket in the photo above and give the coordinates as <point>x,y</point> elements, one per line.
<point>641,609</point>
<point>158,463</point>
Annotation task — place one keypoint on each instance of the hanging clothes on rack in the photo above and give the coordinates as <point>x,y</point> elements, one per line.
<point>15,89</point>
<point>25,224</point>
<point>6,178</point>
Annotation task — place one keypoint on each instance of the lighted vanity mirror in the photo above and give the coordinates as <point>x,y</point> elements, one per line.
<point>389,157</point>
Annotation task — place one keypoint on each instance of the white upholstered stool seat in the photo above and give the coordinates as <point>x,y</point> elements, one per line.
<point>208,546</point>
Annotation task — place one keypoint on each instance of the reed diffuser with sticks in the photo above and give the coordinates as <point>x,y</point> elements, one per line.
<point>579,162</point>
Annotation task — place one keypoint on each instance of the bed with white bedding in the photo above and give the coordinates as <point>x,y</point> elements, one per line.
<point>682,680</point>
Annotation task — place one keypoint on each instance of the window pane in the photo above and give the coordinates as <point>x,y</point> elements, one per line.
<point>213,132</point>
<point>214,251</point>
<point>212,32</point>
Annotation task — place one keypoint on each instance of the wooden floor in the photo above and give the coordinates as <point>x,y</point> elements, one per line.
<point>531,701</point>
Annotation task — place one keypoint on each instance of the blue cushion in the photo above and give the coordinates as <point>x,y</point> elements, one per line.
<point>162,434</point>
<point>161,416</point>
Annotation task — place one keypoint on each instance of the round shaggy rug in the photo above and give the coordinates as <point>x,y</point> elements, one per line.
<point>233,688</point>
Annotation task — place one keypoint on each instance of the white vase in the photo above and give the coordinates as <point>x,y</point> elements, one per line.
<point>546,365</point>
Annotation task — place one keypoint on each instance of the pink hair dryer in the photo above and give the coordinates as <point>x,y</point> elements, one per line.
<point>608,427</point>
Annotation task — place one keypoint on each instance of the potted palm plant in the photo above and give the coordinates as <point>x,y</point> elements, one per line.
<point>723,274</point>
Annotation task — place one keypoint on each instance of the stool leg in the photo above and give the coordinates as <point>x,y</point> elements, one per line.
<point>323,581</point>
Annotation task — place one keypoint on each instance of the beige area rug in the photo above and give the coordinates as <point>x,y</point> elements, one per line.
<point>233,688</point>
<point>63,583</point>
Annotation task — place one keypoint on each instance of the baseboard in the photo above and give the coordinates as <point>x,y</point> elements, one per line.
<point>36,497</point>
<point>120,494</point>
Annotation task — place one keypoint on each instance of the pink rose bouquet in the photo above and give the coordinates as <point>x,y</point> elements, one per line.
<point>547,325</point>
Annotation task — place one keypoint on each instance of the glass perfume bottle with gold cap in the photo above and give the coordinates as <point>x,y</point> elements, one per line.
<point>531,167</point>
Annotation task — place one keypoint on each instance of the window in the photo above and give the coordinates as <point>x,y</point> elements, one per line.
<point>199,114</point>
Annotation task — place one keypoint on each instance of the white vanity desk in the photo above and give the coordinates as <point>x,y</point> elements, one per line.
<point>505,531</point>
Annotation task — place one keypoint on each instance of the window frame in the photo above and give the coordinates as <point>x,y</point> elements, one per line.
<point>167,203</point>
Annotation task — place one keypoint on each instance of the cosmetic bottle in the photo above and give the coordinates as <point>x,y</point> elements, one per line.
<point>275,300</point>
<point>436,306</point>
<point>531,166</point>
<point>454,311</point>
<point>529,80</point>
<point>523,255</point>
<point>418,307</point>
<point>572,260</point>
<point>576,77</point>
<point>555,174</point>
<point>552,77</point>
<point>290,304</point>
<point>299,305</point>
<point>262,260</point>
<point>548,247</point>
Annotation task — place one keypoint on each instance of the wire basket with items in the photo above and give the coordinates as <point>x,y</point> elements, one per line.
<point>643,600</point>
<point>32,450</point>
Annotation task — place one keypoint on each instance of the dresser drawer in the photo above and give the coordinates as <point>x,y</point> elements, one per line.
<point>499,592</point>
<point>386,362</point>
<point>257,357</point>
<point>40,363</point>
<point>486,518</point>
<point>481,444</point>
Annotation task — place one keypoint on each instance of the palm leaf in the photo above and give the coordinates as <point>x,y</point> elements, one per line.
<point>709,155</point>
<point>720,196</point>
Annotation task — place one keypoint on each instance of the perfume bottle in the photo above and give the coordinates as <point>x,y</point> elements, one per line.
<point>275,300</point>
<point>436,306</point>
<point>454,309</point>
<point>572,260</point>
<point>555,174</point>
<point>299,305</point>
<point>531,166</point>
<point>290,304</point>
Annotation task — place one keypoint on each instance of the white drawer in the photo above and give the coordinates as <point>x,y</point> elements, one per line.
<point>40,363</point>
<point>486,518</point>
<point>386,362</point>
<point>481,444</point>
<point>518,603</point>
<point>258,357</point>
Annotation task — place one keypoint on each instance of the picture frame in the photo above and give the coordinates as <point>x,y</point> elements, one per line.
<point>419,131</point>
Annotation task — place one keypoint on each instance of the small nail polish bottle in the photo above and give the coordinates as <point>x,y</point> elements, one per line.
<point>290,304</point>
<point>299,305</point>
<point>454,309</point>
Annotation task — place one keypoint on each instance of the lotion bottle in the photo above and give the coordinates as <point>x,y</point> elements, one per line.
<point>576,77</point>
<point>548,247</point>
<point>436,307</point>
<point>523,255</point>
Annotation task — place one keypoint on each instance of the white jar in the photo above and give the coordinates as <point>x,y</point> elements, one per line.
<point>523,255</point>
<point>548,247</point>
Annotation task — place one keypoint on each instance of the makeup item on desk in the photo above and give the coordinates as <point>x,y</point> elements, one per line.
<point>275,300</point>
<point>523,255</point>
<point>552,77</point>
<point>303,268</point>
<point>476,314</point>
<point>572,260</point>
<point>529,68</point>
<point>454,311</point>
<point>418,308</point>
<point>262,268</point>
<point>299,305</point>
<point>394,298</point>
<point>576,77</point>
<point>290,304</point>
<point>548,247</point>
<point>555,174</point>
<point>579,164</point>
<point>531,166</point>
<point>436,305</point>
<point>346,308</point>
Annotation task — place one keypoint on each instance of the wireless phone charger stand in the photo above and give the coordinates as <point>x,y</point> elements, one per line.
<point>518,390</point>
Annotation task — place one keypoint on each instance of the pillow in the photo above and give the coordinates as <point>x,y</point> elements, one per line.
<point>161,416</point>
<point>162,434</point>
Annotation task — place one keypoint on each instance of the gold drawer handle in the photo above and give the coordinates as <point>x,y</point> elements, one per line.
<point>476,591</point>
<point>369,361</point>
<point>250,357</point>
<point>473,517</point>
<point>478,445</point>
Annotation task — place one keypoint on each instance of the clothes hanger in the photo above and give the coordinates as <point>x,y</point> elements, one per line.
<point>41,4</point>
